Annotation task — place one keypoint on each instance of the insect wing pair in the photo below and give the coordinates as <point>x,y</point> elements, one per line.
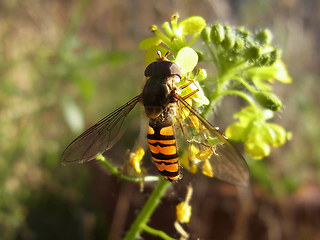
<point>201,145</point>
<point>226,163</point>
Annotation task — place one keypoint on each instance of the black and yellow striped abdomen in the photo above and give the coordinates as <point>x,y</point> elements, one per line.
<point>163,147</point>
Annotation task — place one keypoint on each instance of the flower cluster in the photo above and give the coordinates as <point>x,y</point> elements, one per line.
<point>176,36</point>
<point>246,65</point>
<point>257,134</point>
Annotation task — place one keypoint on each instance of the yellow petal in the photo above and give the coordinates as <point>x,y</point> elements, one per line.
<point>207,169</point>
<point>135,159</point>
<point>183,211</point>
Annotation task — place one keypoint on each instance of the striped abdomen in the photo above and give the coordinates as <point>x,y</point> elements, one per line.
<point>163,147</point>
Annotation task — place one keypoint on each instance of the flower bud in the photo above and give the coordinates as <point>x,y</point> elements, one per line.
<point>274,56</point>
<point>183,212</point>
<point>201,56</point>
<point>253,53</point>
<point>229,38</point>
<point>201,74</point>
<point>257,149</point>
<point>217,34</point>
<point>277,135</point>
<point>264,37</point>
<point>241,31</point>
<point>205,34</point>
<point>154,28</point>
<point>166,26</point>
<point>239,44</point>
<point>268,100</point>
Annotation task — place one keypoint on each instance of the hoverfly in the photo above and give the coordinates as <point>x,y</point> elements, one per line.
<point>169,113</point>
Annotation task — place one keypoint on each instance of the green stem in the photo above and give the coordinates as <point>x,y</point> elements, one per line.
<point>244,83</point>
<point>208,108</point>
<point>156,232</point>
<point>230,71</point>
<point>141,221</point>
<point>214,57</point>
<point>161,35</point>
<point>114,170</point>
<point>240,94</point>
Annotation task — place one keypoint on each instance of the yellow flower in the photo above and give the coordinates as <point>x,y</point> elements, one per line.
<point>135,159</point>
<point>183,211</point>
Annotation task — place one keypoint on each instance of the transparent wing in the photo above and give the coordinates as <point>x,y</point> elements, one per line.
<point>98,138</point>
<point>206,148</point>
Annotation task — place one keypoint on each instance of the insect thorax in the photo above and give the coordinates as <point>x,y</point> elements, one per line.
<point>160,87</point>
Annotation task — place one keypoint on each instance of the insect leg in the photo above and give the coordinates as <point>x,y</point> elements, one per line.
<point>190,94</point>
<point>187,84</point>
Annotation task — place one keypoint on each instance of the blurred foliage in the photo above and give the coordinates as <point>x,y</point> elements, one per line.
<point>40,78</point>
<point>52,65</point>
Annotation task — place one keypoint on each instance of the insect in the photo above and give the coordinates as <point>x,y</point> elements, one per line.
<point>170,115</point>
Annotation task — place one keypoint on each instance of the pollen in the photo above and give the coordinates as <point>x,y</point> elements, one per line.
<point>135,159</point>
<point>195,122</point>
<point>207,169</point>
<point>183,211</point>
<point>205,154</point>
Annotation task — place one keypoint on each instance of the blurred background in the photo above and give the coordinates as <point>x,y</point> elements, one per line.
<point>66,64</point>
